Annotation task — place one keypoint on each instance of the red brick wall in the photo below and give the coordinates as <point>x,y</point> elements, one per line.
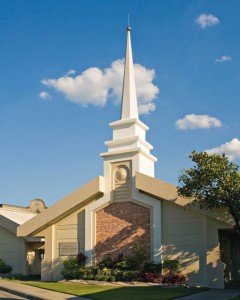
<point>119,227</point>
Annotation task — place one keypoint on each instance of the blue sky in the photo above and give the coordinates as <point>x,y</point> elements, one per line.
<point>59,87</point>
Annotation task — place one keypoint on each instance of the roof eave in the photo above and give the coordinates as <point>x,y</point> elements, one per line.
<point>162,190</point>
<point>92,190</point>
<point>8,224</point>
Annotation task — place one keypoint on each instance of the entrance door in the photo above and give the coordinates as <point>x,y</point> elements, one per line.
<point>234,259</point>
<point>230,255</point>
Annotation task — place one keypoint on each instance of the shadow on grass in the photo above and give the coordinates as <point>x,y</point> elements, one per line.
<point>144,293</point>
<point>99,292</point>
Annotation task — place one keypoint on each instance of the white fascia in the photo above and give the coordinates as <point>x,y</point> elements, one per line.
<point>134,150</point>
<point>129,122</point>
<point>123,141</point>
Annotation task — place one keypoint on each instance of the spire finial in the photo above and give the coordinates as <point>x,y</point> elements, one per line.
<point>129,97</point>
<point>128,27</point>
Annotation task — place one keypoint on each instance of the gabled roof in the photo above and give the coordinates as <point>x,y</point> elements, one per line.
<point>8,224</point>
<point>92,190</point>
<point>165,191</point>
<point>15,215</point>
<point>11,217</point>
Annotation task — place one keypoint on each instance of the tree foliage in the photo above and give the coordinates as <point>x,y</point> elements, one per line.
<point>212,182</point>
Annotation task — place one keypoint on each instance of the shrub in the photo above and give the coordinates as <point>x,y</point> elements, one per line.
<point>128,263</point>
<point>139,256</point>
<point>98,277</point>
<point>81,259</point>
<point>152,267</point>
<point>106,263</point>
<point>4,268</point>
<point>132,268</point>
<point>111,278</point>
<point>87,273</point>
<point>118,259</point>
<point>103,275</point>
<point>90,277</point>
<point>130,275</point>
<point>118,274</point>
<point>71,269</point>
<point>171,265</point>
<point>175,278</point>
<point>151,277</point>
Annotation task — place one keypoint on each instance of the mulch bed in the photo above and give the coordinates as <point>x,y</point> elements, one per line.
<point>124,284</point>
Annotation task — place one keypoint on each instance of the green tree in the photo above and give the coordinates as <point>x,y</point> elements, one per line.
<point>212,182</point>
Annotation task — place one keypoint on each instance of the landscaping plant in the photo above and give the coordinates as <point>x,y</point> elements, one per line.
<point>4,268</point>
<point>125,268</point>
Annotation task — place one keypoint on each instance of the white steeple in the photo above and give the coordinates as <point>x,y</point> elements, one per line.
<point>129,97</point>
<point>129,133</point>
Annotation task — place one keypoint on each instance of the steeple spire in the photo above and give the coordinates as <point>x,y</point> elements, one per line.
<point>129,97</point>
<point>129,133</point>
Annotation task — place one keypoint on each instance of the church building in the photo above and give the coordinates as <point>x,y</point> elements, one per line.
<point>128,206</point>
<point>23,254</point>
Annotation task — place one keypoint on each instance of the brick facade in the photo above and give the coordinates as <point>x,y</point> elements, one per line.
<point>119,227</point>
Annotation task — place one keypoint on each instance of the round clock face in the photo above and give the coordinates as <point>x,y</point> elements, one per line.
<point>122,173</point>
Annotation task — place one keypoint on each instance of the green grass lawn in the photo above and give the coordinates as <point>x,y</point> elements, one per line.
<point>99,292</point>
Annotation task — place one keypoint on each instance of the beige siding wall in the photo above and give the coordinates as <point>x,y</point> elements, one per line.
<point>70,229</point>
<point>47,263</point>
<point>12,251</point>
<point>215,268</point>
<point>192,238</point>
<point>183,239</point>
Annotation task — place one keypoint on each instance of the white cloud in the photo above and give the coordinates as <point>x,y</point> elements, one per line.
<point>145,109</point>
<point>231,149</point>
<point>44,96</point>
<point>205,20</point>
<point>223,58</point>
<point>95,86</point>
<point>84,89</point>
<point>193,121</point>
<point>70,72</point>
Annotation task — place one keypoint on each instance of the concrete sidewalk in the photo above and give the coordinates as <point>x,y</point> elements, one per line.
<point>34,293</point>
